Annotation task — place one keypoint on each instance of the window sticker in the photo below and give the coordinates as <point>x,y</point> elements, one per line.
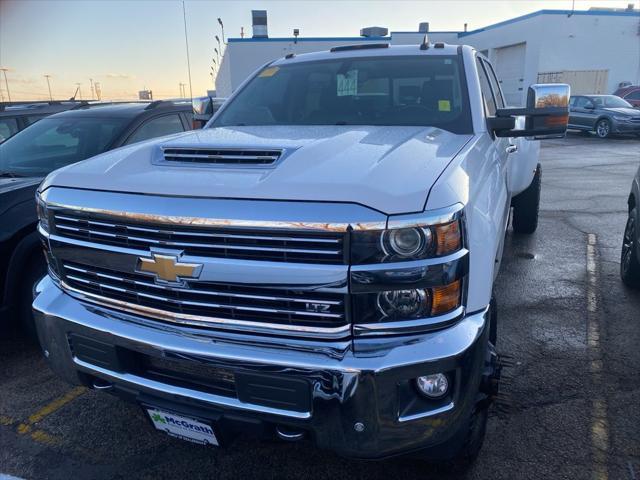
<point>444,105</point>
<point>269,72</point>
<point>347,83</point>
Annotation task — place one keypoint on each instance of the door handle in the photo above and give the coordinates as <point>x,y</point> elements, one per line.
<point>512,149</point>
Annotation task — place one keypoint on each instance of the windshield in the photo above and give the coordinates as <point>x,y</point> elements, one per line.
<point>408,90</point>
<point>610,101</point>
<point>53,143</point>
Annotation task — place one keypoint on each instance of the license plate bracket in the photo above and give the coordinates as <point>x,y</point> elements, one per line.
<point>181,426</point>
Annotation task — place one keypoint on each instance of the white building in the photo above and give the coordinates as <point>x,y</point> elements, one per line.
<point>593,50</point>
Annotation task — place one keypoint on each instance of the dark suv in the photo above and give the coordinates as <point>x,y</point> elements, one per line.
<point>17,116</point>
<point>54,142</point>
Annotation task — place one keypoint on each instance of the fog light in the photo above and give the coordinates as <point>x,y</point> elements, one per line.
<point>433,386</point>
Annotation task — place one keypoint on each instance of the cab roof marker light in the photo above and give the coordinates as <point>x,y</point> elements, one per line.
<point>366,46</point>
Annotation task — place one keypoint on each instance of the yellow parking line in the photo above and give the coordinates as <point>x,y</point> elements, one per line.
<point>27,427</point>
<point>5,421</point>
<point>599,422</point>
<point>56,405</point>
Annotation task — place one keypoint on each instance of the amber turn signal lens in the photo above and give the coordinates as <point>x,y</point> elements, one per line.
<point>448,237</point>
<point>446,298</point>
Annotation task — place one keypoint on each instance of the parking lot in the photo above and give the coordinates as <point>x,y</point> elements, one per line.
<point>570,407</point>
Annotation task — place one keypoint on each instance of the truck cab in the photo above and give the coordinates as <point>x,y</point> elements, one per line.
<point>317,262</point>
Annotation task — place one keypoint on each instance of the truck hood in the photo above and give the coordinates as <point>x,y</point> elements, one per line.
<point>390,169</point>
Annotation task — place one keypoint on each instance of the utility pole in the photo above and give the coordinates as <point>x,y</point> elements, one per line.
<point>92,94</point>
<point>6,83</point>
<point>183,92</point>
<point>47,76</point>
<point>79,91</point>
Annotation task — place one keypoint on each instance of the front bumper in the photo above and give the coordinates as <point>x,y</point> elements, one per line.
<point>625,127</point>
<point>364,382</point>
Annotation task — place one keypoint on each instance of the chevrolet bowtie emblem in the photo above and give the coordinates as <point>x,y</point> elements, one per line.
<point>168,268</point>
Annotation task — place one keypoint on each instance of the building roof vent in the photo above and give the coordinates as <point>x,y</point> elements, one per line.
<point>259,22</point>
<point>423,27</point>
<point>374,32</point>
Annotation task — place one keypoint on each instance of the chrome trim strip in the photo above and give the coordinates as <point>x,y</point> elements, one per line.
<point>213,212</point>
<point>192,234</point>
<point>430,413</point>
<point>330,278</point>
<point>207,292</point>
<point>428,217</point>
<point>213,322</point>
<point>411,274</point>
<point>408,327</point>
<point>166,389</point>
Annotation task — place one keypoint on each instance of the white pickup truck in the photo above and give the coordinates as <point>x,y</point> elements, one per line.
<point>317,262</point>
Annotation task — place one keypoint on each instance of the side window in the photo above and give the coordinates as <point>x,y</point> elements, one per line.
<point>581,102</point>
<point>157,127</point>
<point>8,126</point>
<point>485,87</point>
<point>30,120</point>
<point>495,86</point>
<point>635,95</point>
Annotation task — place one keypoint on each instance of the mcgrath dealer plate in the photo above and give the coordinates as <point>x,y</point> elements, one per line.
<point>181,427</point>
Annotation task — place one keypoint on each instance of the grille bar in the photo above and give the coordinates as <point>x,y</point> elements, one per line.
<point>230,302</point>
<point>284,246</point>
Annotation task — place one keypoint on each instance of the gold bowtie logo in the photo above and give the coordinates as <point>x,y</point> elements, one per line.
<point>168,268</point>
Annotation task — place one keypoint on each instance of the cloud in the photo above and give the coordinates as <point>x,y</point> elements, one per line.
<point>122,76</point>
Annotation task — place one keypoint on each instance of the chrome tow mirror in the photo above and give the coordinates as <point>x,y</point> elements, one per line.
<point>546,114</point>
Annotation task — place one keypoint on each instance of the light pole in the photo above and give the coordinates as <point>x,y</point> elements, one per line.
<point>218,40</point>
<point>47,76</point>
<point>79,91</point>
<point>222,28</point>
<point>91,81</point>
<point>217,54</point>
<point>5,70</point>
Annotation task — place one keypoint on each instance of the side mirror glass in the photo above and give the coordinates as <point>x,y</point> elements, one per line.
<point>546,114</point>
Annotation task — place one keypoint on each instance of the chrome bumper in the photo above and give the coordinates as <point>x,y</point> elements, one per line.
<point>359,382</point>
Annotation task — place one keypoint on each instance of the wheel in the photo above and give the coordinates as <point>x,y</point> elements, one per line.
<point>526,206</point>
<point>35,269</point>
<point>629,265</point>
<point>603,128</point>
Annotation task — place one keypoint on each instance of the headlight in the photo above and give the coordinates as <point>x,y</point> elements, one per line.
<point>43,213</point>
<point>401,244</point>
<point>407,304</point>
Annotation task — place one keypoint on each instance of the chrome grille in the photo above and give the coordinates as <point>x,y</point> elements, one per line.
<point>204,303</point>
<point>271,245</point>
<point>220,156</point>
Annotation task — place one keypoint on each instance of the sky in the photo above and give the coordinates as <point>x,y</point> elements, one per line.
<point>128,46</point>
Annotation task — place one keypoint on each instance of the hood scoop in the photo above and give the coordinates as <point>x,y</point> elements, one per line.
<point>240,157</point>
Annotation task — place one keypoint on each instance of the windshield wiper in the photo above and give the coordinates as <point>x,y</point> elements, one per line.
<point>8,174</point>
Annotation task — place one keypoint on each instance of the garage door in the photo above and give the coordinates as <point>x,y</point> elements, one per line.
<point>509,67</point>
<point>582,82</point>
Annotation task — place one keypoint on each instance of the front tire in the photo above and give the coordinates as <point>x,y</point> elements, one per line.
<point>629,265</point>
<point>603,128</point>
<point>526,206</point>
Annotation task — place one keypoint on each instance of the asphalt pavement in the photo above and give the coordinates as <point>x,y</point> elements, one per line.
<point>569,410</point>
